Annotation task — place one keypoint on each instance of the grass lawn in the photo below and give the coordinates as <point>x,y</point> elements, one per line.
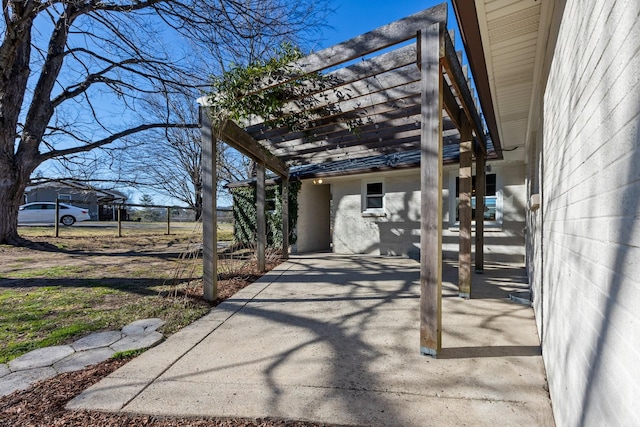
<point>88,279</point>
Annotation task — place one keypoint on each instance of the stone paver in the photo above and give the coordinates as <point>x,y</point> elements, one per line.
<point>82,359</point>
<point>97,340</point>
<point>97,347</point>
<point>41,357</point>
<point>136,342</point>
<point>142,326</point>
<point>23,379</point>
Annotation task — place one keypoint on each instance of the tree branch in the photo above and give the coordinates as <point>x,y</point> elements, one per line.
<point>112,138</point>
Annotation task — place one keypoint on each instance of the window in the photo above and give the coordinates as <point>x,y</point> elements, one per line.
<point>373,197</point>
<point>492,200</point>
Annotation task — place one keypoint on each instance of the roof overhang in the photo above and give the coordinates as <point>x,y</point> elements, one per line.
<point>508,45</point>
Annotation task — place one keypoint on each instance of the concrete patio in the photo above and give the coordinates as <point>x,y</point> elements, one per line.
<point>335,339</point>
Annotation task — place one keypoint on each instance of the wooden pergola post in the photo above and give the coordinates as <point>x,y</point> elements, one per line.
<point>431,50</point>
<point>261,221</point>
<point>285,218</point>
<point>480,191</point>
<point>210,221</point>
<point>464,211</point>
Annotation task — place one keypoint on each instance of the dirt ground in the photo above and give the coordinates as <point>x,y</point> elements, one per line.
<point>43,403</point>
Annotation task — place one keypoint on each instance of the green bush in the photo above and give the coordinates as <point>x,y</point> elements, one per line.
<point>245,218</point>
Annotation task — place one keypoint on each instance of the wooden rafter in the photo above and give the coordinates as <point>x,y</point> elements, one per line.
<point>373,41</point>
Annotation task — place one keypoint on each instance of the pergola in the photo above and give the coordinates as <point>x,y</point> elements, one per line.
<point>410,93</point>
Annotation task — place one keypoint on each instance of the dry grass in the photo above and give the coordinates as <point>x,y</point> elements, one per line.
<point>89,279</point>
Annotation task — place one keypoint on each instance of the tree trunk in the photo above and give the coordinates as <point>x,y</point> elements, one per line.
<point>12,186</point>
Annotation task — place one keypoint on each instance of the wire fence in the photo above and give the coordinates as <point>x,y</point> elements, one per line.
<point>106,214</point>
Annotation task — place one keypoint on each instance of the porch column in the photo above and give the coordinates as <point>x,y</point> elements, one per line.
<point>285,218</point>
<point>209,219</point>
<point>261,221</point>
<point>431,45</point>
<point>464,211</point>
<point>480,190</point>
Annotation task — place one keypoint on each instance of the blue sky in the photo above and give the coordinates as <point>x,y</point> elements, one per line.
<point>355,17</point>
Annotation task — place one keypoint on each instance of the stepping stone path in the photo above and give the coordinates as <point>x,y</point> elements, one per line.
<point>97,347</point>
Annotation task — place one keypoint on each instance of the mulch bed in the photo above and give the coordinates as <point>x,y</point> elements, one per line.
<point>43,405</point>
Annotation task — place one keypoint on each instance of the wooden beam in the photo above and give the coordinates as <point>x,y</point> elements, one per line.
<point>338,97</point>
<point>459,82</point>
<point>378,39</point>
<point>431,50</point>
<point>261,220</point>
<point>471,37</point>
<point>398,61</point>
<point>389,131</point>
<point>209,211</point>
<point>328,125</point>
<point>464,211</point>
<point>285,218</point>
<point>236,137</point>
<point>480,193</point>
<point>450,104</point>
<point>393,143</point>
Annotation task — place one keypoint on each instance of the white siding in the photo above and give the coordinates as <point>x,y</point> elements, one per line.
<point>590,313</point>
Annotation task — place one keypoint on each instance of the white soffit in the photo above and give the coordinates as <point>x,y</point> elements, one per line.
<point>513,38</point>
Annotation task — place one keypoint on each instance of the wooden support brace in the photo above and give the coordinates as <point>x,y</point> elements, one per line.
<point>431,50</point>
<point>458,80</point>
<point>480,192</point>
<point>209,212</point>
<point>285,218</point>
<point>261,237</point>
<point>235,136</point>
<point>464,211</point>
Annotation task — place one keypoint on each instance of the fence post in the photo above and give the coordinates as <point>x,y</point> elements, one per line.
<point>119,220</point>
<point>57,220</point>
<point>168,221</point>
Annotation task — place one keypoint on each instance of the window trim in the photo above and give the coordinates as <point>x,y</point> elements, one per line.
<point>364,196</point>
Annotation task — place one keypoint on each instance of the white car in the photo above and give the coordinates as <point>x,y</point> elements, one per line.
<point>45,212</point>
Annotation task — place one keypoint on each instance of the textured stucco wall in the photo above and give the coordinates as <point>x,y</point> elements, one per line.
<point>314,217</point>
<point>591,205</point>
<point>395,232</point>
<point>398,231</point>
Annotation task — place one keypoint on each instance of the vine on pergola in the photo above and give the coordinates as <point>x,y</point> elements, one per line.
<point>292,99</point>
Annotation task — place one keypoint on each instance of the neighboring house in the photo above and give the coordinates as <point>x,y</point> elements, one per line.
<point>100,203</point>
<point>559,83</point>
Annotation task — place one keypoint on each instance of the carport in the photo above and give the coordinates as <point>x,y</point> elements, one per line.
<point>404,85</point>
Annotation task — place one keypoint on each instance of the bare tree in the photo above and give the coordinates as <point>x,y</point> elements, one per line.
<point>74,72</point>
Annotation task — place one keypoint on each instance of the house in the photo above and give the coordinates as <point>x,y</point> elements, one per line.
<point>100,203</point>
<point>372,206</point>
<point>559,85</point>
